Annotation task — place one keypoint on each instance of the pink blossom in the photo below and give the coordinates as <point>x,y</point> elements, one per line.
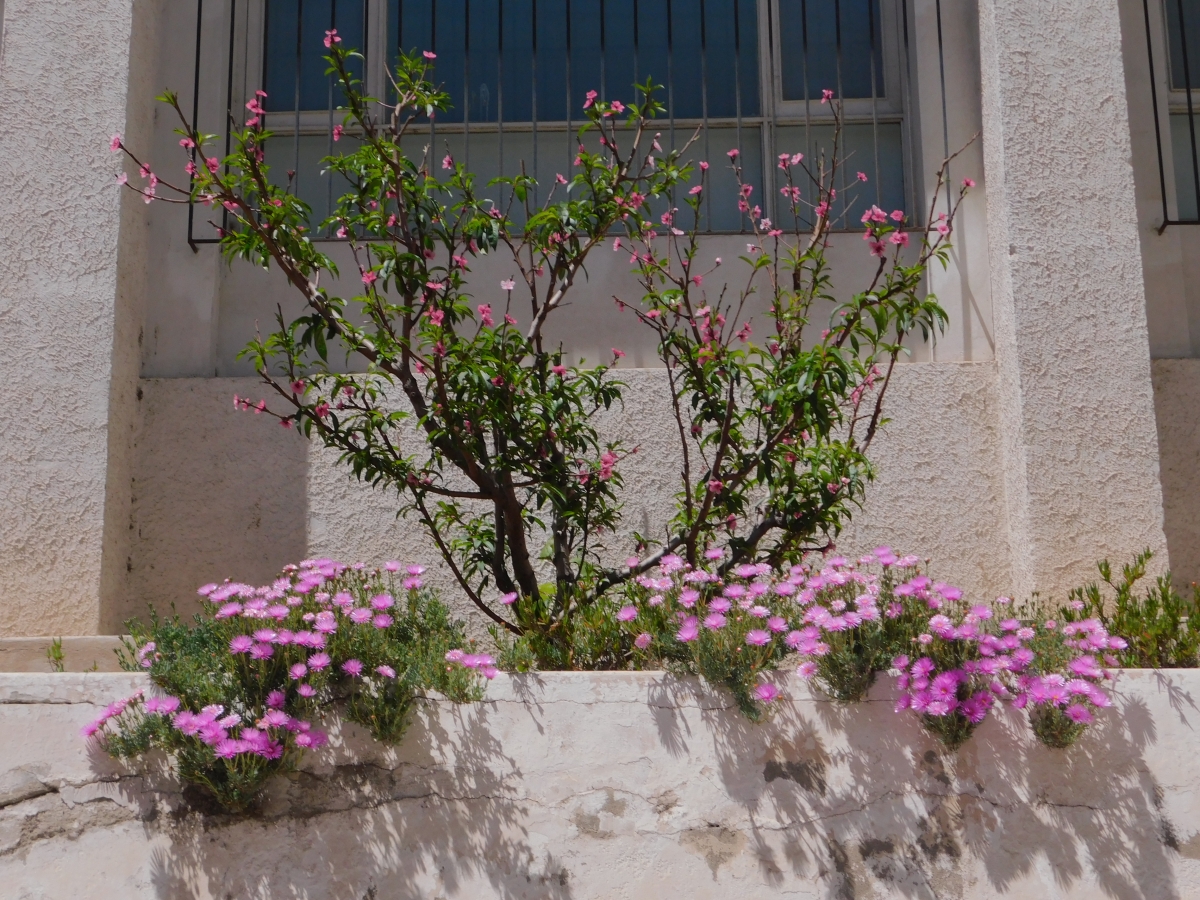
<point>627,614</point>
<point>447,161</point>
<point>1078,713</point>
<point>509,599</point>
<point>369,278</point>
<point>241,644</point>
<point>968,182</point>
<point>591,99</point>
<point>338,130</point>
<point>689,630</point>
<point>114,143</point>
<point>352,667</point>
<point>758,638</point>
<point>733,154</point>
<point>319,661</point>
<point>642,641</point>
<point>508,284</point>
<point>331,38</point>
<point>826,95</point>
<point>766,693</point>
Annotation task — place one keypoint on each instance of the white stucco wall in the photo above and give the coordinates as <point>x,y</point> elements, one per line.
<point>623,785</point>
<point>1177,399</point>
<point>1079,448</point>
<point>69,364</point>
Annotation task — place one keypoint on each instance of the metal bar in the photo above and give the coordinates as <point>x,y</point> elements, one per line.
<point>671,84</point>
<point>945,111</point>
<point>874,106</point>
<point>908,101</point>
<point>603,50</point>
<point>841,99</point>
<point>1162,170</point>
<point>195,122</point>
<point>229,96</point>
<point>467,84</point>
<point>1191,113</point>
<point>296,98</point>
<point>808,144</point>
<point>737,76</point>
<point>533,111</point>
<point>432,46</point>
<point>637,61</point>
<point>329,136</point>
<point>500,98</point>
<point>707,198</point>
<point>568,82</point>
<point>768,103</point>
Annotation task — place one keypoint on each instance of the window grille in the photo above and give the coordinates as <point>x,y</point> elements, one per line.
<point>1173,41</point>
<point>745,74</point>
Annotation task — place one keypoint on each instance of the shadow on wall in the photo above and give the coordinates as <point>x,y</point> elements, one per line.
<point>641,785</point>
<point>216,494</point>
<point>882,810</point>
<point>442,815</point>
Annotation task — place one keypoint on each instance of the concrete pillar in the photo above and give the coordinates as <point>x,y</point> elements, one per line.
<point>1079,447</point>
<point>69,364</point>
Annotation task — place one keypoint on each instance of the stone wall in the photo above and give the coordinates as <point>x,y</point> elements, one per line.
<point>629,785</point>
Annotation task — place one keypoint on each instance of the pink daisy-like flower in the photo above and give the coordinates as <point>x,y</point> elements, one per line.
<point>1079,713</point>
<point>382,620</point>
<point>385,671</point>
<point>319,661</point>
<point>297,671</point>
<point>758,638</point>
<point>806,669</point>
<point>241,644</point>
<point>689,630</point>
<point>642,641</point>
<point>766,693</point>
<point>306,690</point>
<point>714,621</point>
<point>352,667</point>
<point>627,614</point>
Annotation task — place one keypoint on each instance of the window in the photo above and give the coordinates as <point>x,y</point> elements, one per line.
<point>736,73</point>
<point>1183,51</point>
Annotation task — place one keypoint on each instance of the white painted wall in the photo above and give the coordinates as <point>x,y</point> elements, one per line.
<point>629,785</point>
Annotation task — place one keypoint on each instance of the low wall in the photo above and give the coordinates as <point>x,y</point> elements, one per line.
<point>630,785</point>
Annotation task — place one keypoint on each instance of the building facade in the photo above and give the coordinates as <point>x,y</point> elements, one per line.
<point>1054,424</point>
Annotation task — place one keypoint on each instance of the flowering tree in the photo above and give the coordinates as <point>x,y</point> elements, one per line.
<point>515,484</point>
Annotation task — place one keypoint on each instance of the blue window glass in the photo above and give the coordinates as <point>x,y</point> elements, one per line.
<point>293,64</point>
<point>499,59</point>
<point>831,45</point>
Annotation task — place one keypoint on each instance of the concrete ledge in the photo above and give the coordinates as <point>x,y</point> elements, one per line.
<point>80,654</point>
<point>631,785</point>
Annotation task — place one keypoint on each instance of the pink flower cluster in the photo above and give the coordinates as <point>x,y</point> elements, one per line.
<point>112,711</point>
<point>1077,692</point>
<point>481,662</point>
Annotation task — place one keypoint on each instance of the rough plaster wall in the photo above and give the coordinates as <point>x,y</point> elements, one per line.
<point>1177,403</point>
<point>630,785</point>
<point>1080,453</point>
<point>220,493</point>
<point>62,93</point>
